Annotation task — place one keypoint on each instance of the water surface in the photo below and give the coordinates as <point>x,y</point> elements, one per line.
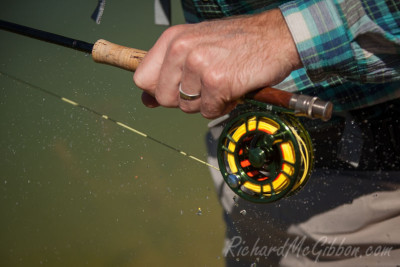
<point>78,190</point>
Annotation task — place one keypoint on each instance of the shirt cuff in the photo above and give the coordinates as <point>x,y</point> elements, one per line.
<point>321,38</point>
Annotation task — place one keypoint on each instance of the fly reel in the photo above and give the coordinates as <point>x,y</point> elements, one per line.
<point>265,155</point>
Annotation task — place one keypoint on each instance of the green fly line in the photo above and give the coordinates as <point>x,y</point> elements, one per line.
<point>105,117</point>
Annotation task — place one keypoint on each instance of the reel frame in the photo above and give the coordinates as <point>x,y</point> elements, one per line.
<point>264,153</point>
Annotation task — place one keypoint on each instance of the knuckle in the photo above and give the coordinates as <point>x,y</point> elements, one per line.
<point>179,45</point>
<point>213,78</point>
<point>196,59</point>
<point>171,33</point>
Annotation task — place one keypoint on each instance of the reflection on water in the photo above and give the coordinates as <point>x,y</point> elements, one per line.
<point>78,190</point>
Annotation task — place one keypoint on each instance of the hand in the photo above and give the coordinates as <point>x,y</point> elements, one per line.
<point>222,60</point>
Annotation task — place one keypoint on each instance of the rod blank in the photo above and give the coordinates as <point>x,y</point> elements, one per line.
<point>46,36</point>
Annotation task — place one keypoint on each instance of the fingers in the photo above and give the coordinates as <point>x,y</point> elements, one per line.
<point>166,91</point>
<point>179,60</point>
<point>147,75</point>
<point>191,82</point>
<point>200,60</point>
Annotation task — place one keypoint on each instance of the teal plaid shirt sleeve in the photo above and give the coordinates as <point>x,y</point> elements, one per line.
<point>351,39</point>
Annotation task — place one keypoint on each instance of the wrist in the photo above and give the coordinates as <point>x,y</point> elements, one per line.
<point>280,35</point>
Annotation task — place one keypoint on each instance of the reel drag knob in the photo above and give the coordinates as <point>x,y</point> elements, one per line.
<point>257,157</point>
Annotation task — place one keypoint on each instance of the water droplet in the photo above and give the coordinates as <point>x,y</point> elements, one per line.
<point>199,212</point>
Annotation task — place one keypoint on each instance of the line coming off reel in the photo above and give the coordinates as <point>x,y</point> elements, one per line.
<point>265,154</point>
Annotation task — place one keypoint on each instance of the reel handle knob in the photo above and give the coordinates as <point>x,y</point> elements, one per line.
<point>311,107</point>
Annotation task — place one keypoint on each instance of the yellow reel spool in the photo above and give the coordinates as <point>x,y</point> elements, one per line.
<point>264,157</point>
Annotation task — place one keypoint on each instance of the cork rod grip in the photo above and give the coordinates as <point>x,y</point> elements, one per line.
<point>117,55</point>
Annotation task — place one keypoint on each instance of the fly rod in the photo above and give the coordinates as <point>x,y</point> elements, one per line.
<point>105,52</point>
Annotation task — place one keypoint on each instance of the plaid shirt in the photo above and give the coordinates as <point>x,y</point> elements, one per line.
<point>350,49</point>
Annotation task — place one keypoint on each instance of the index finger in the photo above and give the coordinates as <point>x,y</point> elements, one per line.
<point>147,74</point>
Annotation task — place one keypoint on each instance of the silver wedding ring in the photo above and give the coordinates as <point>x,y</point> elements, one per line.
<point>185,96</point>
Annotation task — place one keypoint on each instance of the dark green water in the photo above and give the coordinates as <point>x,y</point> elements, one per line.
<point>77,190</point>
